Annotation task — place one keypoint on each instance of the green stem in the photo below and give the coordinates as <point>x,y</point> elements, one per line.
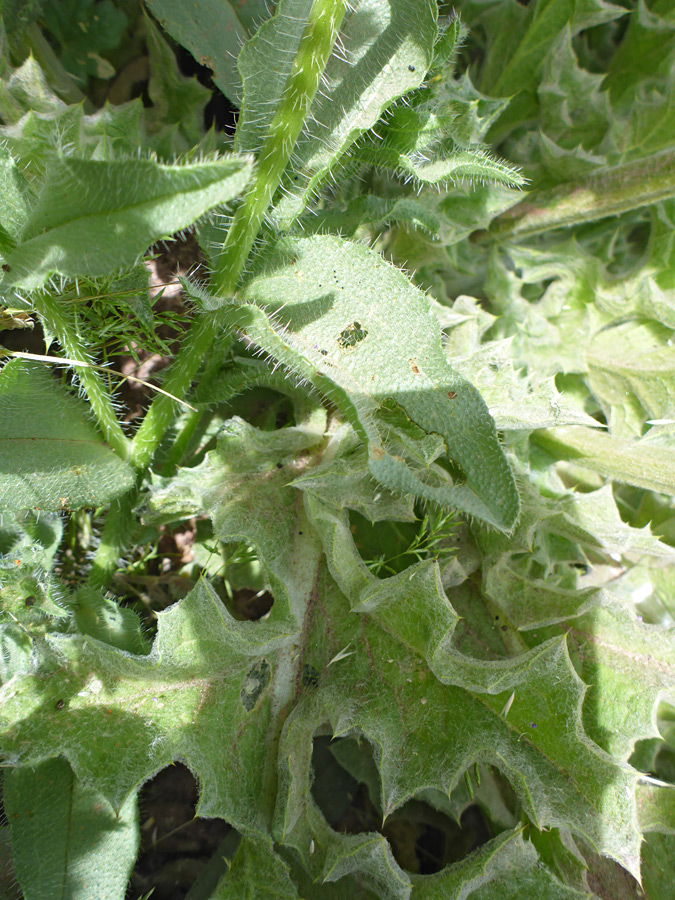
<point>609,192</point>
<point>117,535</point>
<point>194,350</point>
<point>192,420</point>
<point>63,324</point>
<point>314,50</point>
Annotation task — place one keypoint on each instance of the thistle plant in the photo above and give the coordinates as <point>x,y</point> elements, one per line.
<point>437,250</point>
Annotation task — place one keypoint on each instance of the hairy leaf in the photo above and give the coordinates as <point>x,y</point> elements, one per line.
<point>67,841</point>
<point>336,314</point>
<point>51,457</point>
<point>93,217</point>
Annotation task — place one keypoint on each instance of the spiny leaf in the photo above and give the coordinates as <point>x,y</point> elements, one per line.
<point>323,310</point>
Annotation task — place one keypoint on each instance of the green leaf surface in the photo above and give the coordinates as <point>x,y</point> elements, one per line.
<point>67,841</point>
<point>51,457</point>
<point>93,217</point>
<point>339,316</point>
<point>256,873</point>
<point>646,51</point>
<point>642,463</point>
<point>657,854</point>
<point>212,31</point>
<point>629,666</point>
<point>632,374</point>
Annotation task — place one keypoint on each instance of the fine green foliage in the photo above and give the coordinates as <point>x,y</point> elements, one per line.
<point>414,446</point>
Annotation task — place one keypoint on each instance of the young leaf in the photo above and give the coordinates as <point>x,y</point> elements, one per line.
<point>383,50</point>
<point>94,217</point>
<point>356,328</point>
<point>51,457</point>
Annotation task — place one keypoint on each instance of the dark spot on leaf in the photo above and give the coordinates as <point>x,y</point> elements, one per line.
<point>413,366</point>
<point>323,352</point>
<point>257,679</point>
<point>310,676</point>
<point>29,601</point>
<point>280,465</point>
<point>452,395</point>
<point>351,336</point>
<point>6,268</point>
<point>60,704</point>
<point>411,68</point>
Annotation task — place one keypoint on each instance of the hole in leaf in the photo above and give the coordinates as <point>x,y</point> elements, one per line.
<point>424,836</point>
<point>388,547</point>
<point>265,408</point>
<point>175,846</point>
<point>251,605</point>
<point>343,771</point>
<point>218,112</point>
<point>352,335</point>
<point>425,840</point>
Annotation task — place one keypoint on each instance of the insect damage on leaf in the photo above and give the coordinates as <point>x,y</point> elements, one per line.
<point>352,336</point>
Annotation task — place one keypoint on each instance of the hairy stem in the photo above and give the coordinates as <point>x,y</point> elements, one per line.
<point>316,46</point>
<point>117,536</point>
<point>193,419</point>
<point>194,350</point>
<point>609,192</point>
<point>63,324</point>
